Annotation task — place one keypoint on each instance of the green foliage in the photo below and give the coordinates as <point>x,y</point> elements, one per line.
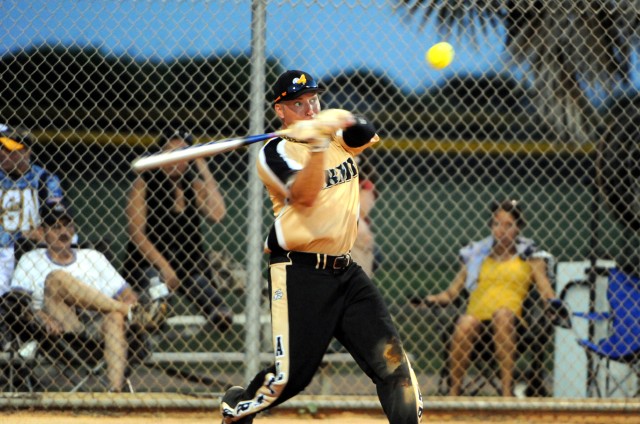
<point>76,87</point>
<point>84,87</point>
<point>72,87</point>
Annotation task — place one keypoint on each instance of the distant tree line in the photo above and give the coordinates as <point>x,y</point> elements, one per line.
<point>83,87</point>
<point>72,87</point>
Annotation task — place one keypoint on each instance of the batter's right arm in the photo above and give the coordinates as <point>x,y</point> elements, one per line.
<point>308,181</point>
<point>318,133</point>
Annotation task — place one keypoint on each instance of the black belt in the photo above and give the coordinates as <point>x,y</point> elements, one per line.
<point>320,260</point>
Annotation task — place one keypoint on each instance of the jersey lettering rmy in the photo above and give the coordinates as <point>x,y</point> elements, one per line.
<point>321,228</point>
<point>344,172</point>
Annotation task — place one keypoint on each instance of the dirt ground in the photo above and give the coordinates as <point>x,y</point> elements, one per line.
<point>439,410</point>
<point>330,417</point>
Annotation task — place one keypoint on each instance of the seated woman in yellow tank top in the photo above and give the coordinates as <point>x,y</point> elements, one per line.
<point>501,284</point>
<point>498,272</point>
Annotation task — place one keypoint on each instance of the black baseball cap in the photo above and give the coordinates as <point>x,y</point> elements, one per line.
<point>294,83</point>
<point>13,139</point>
<point>52,212</point>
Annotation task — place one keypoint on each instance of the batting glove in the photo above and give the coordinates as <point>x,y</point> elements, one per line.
<point>331,120</point>
<point>327,123</point>
<point>317,132</point>
<point>304,131</point>
<point>311,133</point>
<point>319,144</point>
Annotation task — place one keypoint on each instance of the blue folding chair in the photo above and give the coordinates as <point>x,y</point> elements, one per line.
<point>623,341</point>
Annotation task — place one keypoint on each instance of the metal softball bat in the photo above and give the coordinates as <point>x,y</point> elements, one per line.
<point>200,150</point>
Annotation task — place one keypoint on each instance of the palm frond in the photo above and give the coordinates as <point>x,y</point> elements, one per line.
<point>567,44</point>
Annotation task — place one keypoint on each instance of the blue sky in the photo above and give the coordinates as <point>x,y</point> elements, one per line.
<point>320,39</point>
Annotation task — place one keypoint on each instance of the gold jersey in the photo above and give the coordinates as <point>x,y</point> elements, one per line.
<point>329,226</point>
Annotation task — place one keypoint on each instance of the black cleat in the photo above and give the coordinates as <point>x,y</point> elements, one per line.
<point>228,403</point>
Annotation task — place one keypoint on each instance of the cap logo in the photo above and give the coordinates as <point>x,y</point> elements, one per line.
<point>302,80</point>
<point>298,83</point>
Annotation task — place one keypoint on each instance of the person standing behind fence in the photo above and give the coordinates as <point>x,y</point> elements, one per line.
<point>25,187</point>
<point>165,210</point>
<point>316,290</point>
<point>364,251</point>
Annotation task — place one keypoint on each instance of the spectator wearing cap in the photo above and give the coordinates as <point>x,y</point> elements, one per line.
<point>165,210</point>
<point>24,186</point>
<point>62,279</point>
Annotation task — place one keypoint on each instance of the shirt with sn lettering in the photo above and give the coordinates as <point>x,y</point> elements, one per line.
<point>21,198</point>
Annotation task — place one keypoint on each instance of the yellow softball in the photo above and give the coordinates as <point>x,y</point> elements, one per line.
<point>440,55</point>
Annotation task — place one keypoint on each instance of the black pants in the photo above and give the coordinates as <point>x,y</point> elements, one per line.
<point>310,306</point>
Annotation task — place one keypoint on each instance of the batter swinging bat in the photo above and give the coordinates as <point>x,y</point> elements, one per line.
<point>200,150</point>
<point>324,124</point>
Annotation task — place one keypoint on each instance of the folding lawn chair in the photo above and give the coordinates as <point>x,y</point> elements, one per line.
<point>75,358</point>
<point>622,343</point>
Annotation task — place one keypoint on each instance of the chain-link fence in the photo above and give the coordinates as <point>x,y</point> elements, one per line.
<point>538,106</point>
